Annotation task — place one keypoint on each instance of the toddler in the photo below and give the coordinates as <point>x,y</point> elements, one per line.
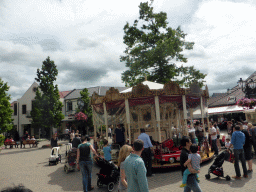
<point>195,160</point>
<point>227,144</point>
<point>106,150</point>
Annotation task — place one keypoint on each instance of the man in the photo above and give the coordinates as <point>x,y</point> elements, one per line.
<point>247,147</point>
<point>119,135</point>
<point>237,141</point>
<point>192,183</point>
<point>213,133</point>
<point>146,153</point>
<point>135,170</point>
<point>76,141</point>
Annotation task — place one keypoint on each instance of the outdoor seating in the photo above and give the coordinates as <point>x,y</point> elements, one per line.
<point>29,142</point>
<point>11,144</point>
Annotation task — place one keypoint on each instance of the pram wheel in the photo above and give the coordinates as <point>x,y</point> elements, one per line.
<point>111,186</point>
<point>99,183</point>
<point>207,176</point>
<point>227,178</point>
<point>66,169</point>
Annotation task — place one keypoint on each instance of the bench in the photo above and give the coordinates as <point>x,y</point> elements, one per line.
<point>11,143</point>
<point>28,142</point>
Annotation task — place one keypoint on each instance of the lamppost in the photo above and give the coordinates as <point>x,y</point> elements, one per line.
<point>248,87</point>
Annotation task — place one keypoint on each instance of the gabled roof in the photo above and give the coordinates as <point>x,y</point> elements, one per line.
<point>100,90</point>
<point>63,93</point>
<point>223,99</point>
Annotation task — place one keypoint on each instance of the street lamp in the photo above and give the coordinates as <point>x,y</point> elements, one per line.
<point>248,87</point>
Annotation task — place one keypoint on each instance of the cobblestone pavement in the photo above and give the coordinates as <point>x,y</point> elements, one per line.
<point>30,167</point>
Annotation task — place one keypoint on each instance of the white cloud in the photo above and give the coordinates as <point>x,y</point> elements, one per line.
<point>85,39</point>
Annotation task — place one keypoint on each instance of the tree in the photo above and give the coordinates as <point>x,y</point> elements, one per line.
<point>47,108</point>
<point>152,48</point>
<point>5,108</point>
<point>86,108</point>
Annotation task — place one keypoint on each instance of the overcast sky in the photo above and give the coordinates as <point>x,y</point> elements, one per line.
<point>85,40</point>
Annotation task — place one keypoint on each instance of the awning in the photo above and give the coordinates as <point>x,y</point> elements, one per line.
<point>225,109</point>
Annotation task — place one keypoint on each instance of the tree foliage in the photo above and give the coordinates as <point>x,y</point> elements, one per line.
<point>152,48</point>
<point>86,108</point>
<point>47,108</point>
<point>5,108</point>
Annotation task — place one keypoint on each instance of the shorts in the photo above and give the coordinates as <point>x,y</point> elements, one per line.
<point>248,153</point>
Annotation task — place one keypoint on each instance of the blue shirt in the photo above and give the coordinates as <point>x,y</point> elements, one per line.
<point>238,140</point>
<point>135,172</point>
<point>107,153</point>
<point>145,138</point>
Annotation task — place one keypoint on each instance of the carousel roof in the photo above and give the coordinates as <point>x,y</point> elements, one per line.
<point>151,85</point>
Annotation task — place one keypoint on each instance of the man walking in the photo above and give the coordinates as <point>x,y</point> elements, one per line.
<point>192,183</point>
<point>146,153</point>
<point>213,133</point>
<point>135,170</point>
<point>238,140</point>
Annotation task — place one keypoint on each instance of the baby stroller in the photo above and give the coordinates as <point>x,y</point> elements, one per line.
<point>216,168</point>
<point>108,175</point>
<point>70,162</point>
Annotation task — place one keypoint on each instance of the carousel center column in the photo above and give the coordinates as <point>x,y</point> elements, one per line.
<point>185,129</point>
<point>127,111</point>
<point>158,118</point>
<point>106,118</point>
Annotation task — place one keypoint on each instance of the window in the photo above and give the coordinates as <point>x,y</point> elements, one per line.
<point>69,106</point>
<point>24,109</point>
<point>15,109</point>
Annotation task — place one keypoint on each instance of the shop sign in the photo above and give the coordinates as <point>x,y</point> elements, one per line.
<point>231,99</point>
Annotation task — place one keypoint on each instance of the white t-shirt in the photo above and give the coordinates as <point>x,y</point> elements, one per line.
<point>109,130</point>
<point>213,130</point>
<point>227,144</point>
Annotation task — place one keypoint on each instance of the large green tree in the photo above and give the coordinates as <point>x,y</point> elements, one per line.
<point>47,108</point>
<point>153,47</point>
<point>5,108</point>
<point>85,107</point>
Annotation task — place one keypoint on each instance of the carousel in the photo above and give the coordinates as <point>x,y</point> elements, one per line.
<point>166,112</point>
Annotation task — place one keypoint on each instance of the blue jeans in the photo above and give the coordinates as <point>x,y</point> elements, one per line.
<point>86,169</point>
<point>192,184</point>
<point>239,154</point>
<point>185,176</point>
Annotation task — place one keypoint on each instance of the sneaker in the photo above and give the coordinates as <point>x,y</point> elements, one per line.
<point>91,188</point>
<point>236,177</point>
<point>249,171</point>
<point>183,185</point>
<point>245,176</point>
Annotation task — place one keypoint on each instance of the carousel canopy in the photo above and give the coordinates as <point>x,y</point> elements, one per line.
<point>151,85</point>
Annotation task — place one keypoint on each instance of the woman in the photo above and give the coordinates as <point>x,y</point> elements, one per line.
<point>84,161</point>
<point>252,134</point>
<point>124,152</point>
<point>54,141</point>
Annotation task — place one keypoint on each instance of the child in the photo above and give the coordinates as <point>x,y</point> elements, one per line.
<point>227,144</point>
<point>195,160</point>
<point>106,150</point>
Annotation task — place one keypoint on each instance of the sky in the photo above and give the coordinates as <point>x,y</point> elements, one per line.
<point>85,40</point>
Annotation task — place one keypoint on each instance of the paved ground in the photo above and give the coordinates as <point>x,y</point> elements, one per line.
<point>30,167</point>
